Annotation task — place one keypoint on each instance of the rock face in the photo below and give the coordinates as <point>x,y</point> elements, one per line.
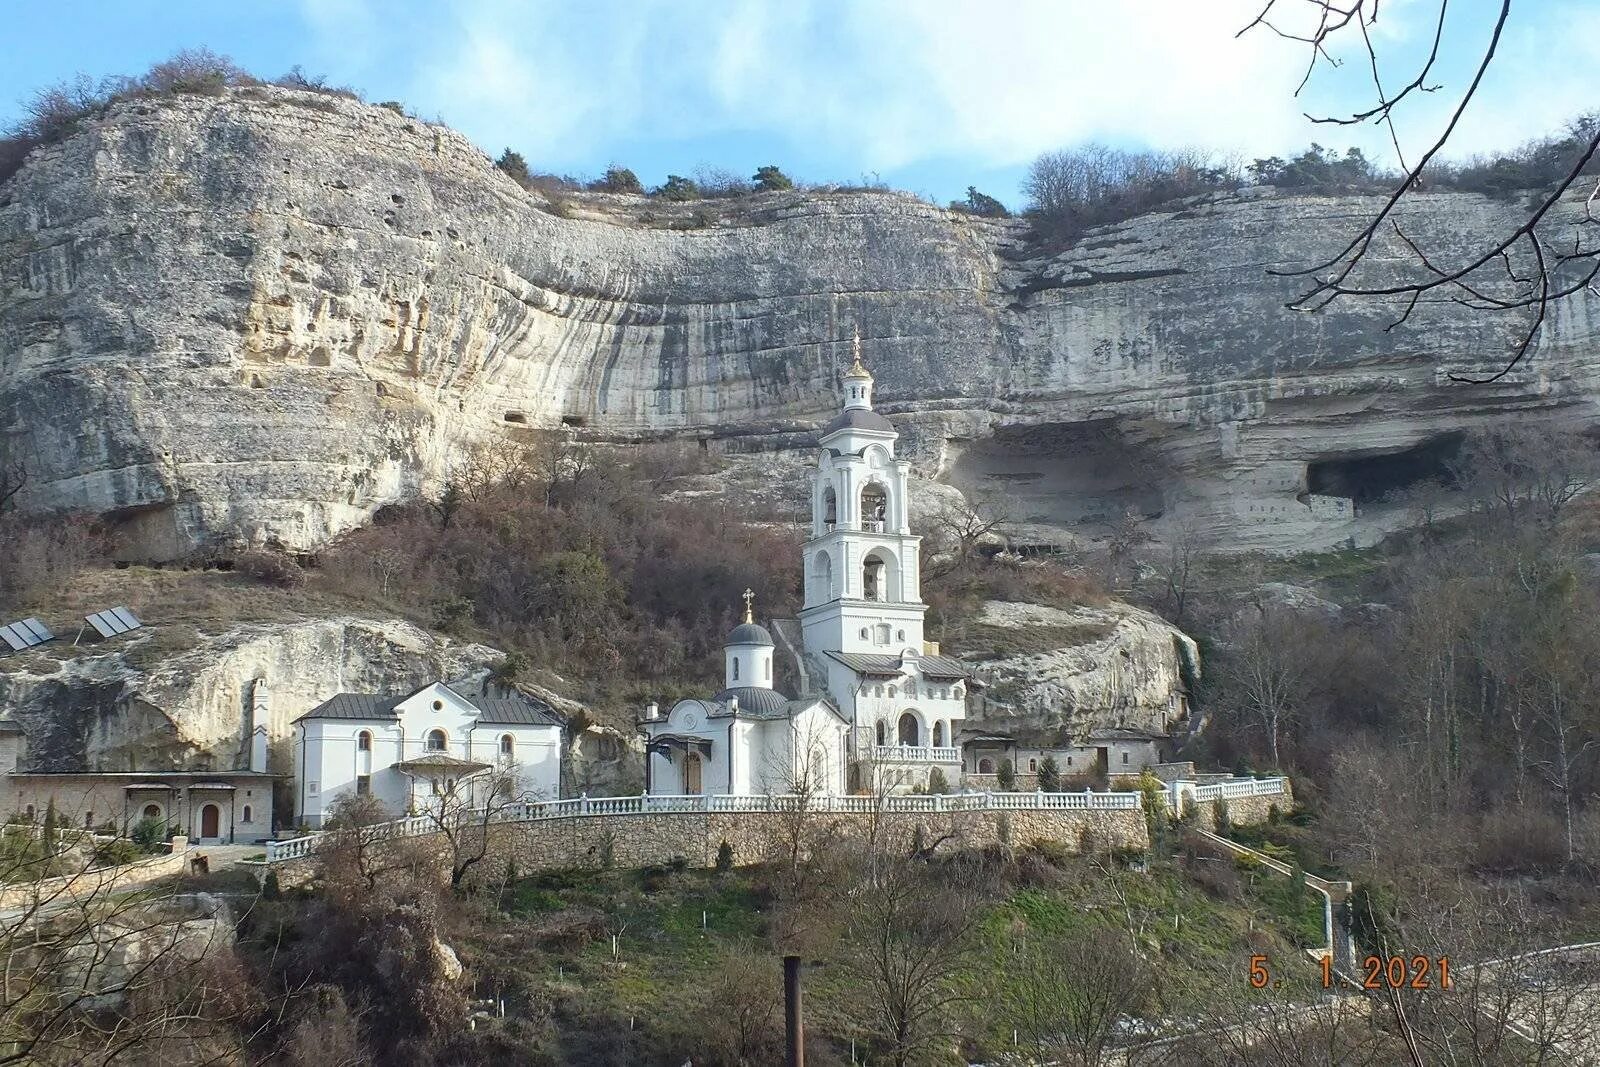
<point>259,316</point>
<point>1090,667</point>
<point>193,709</point>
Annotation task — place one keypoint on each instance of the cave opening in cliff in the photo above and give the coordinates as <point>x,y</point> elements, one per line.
<point>1368,479</point>
<point>1078,475</point>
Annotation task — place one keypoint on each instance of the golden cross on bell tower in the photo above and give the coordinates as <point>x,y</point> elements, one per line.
<point>749,612</point>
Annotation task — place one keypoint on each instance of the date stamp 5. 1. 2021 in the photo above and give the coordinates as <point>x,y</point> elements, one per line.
<point>1378,972</point>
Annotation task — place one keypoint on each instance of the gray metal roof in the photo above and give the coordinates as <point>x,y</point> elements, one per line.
<point>756,702</point>
<point>858,419</point>
<point>889,666</point>
<point>749,633</point>
<point>498,705</point>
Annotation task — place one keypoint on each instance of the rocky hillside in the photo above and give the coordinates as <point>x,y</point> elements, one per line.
<point>262,315</point>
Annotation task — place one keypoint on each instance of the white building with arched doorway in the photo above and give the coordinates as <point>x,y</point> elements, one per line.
<point>748,738</point>
<point>413,750</point>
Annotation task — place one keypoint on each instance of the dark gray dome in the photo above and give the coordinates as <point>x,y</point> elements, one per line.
<point>749,633</point>
<point>756,700</point>
<point>859,419</point>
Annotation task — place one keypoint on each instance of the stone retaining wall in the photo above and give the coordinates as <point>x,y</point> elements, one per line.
<point>92,880</point>
<point>639,840</point>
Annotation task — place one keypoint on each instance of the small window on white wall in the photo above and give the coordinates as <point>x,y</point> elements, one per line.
<point>769,670</point>
<point>863,633</point>
<point>436,741</point>
<point>736,668</point>
<point>364,741</point>
<point>246,814</point>
<point>899,635</point>
<point>507,745</point>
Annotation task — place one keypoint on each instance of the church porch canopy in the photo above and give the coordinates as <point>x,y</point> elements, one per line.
<point>437,762</point>
<point>666,744</point>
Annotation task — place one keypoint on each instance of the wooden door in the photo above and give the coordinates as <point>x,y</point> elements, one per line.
<point>209,819</point>
<point>692,774</point>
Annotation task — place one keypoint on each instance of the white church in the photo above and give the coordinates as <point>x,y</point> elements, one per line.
<point>881,708</point>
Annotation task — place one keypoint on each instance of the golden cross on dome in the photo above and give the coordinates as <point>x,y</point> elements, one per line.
<point>857,368</point>
<point>749,612</point>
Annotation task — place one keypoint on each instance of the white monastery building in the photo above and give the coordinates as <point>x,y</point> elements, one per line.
<point>414,751</point>
<point>897,702</point>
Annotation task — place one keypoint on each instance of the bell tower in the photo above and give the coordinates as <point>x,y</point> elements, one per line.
<point>862,563</point>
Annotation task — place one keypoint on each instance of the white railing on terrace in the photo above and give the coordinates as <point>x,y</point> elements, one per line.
<point>578,807</point>
<point>1248,787</point>
<point>915,754</point>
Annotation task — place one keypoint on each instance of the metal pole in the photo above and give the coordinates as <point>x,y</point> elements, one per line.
<point>794,1029</point>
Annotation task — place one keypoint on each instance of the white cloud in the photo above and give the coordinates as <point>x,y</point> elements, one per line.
<point>885,84</point>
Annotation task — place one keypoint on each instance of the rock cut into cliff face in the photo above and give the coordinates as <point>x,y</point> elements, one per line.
<point>258,317</point>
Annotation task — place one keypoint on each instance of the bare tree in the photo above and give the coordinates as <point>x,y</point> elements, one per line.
<point>957,530</point>
<point>1067,994</point>
<point>1526,472</point>
<point>96,974</point>
<point>1265,672</point>
<point>911,926</point>
<point>462,814</point>
<point>1551,254</point>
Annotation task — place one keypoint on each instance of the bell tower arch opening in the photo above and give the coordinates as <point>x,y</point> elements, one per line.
<point>880,576</point>
<point>874,507</point>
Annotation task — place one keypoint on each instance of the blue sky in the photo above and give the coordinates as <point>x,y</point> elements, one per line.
<point>929,95</point>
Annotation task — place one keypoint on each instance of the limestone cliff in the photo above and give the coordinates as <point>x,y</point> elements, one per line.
<point>1081,669</point>
<point>191,709</point>
<point>260,316</point>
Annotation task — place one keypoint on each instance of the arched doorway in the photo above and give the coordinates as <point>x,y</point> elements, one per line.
<point>909,730</point>
<point>210,821</point>
<point>938,734</point>
<point>693,773</point>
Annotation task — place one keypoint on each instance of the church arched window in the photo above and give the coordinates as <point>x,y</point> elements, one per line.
<point>508,746</point>
<point>769,670</point>
<point>883,633</point>
<point>938,734</point>
<point>899,635</point>
<point>436,741</point>
<point>364,741</point>
<point>881,732</point>
<point>891,692</point>
<point>986,766</point>
<point>864,633</point>
<point>736,668</point>
<point>830,508</point>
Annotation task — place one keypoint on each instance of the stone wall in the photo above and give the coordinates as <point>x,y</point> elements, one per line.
<point>640,840</point>
<point>596,841</point>
<point>95,880</point>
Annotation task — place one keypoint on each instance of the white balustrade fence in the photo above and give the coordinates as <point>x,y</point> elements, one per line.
<point>915,754</point>
<point>1246,787</point>
<point>579,807</point>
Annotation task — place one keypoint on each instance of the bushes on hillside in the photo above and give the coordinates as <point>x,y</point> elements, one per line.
<point>1072,190</point>
<point>53,112</point>
<point>582,565</point>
